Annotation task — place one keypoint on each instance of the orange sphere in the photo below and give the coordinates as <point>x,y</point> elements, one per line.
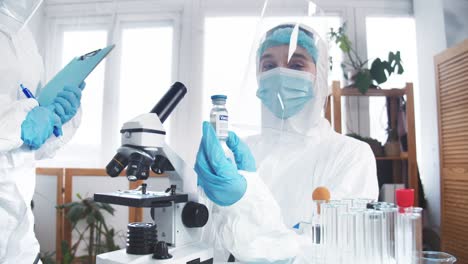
<point>321,193</point>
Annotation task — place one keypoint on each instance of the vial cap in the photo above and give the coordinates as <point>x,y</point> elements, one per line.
<point>218,97</point>
<point>404,197</point>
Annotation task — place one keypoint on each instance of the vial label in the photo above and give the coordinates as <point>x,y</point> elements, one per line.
<point>222,126</point>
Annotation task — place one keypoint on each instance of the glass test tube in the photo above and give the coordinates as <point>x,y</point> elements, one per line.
<point>358,225</point>
<point>347,237</point>
<point>374,236</point>
<point>389,218</point>
<point>408,236</point>
<point>316,220</point>
<point>329,228</point>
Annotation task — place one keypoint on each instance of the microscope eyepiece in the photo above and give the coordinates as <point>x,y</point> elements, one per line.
<point>117,165</point>
<point>169,101</point>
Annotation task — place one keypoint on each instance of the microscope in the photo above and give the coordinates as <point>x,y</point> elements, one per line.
<point>174,236</point>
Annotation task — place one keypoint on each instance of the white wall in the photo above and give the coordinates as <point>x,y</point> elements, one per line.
<point>456,21</point>
<point>430,34</point>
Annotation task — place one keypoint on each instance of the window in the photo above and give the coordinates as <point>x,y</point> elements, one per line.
<point>144,53</point>
<point>385,34</point>
<point>91,102</point>
<point>145,70</point>
<point>227,44</point>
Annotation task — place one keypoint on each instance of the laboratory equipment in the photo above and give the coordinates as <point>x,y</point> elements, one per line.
<point>408,228</point>
<point>372,233</point>
<point>404,198</point>
<point>219,117</point>
<point>389,217</point>
<point>408,235</point>
<point>320,196</point>
<point>174,237</point>
<point>330,215</point>
<point>434,257</point>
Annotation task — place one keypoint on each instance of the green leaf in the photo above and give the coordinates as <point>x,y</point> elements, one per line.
<point>108,208</point>
<point>363,81</point>
<point>377,71</point>
<point>398,63</point>
<point>345,44</point>
<point>394,59</point>
<point>79,196</point>
<point>400,69</point>
<point>76,213</point>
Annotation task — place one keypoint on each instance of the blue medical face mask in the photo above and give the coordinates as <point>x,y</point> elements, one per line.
<point>284,91</point>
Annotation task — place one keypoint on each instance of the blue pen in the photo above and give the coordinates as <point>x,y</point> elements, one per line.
<point>28,94</point>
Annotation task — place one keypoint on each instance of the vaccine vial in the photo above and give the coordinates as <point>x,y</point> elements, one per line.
<point>219,116</point>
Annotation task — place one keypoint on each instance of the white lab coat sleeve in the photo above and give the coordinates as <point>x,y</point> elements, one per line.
<point>253,229</point>
<point>52,144</point>
<point>12,115</point>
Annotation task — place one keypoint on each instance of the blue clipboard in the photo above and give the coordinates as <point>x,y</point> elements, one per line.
<point>73,74</point>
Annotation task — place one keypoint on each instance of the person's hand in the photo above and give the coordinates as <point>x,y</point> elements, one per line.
<point>216,174</point>
<point>38,126</point>
<point>67,102</point>
<point>244,158</point>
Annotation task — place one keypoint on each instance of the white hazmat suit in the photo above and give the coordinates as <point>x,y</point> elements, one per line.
<point>20,64</point>
<point>293,157</point>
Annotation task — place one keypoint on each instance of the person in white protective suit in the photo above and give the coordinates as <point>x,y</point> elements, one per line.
<point>26,129</point>
<point>255,204</point>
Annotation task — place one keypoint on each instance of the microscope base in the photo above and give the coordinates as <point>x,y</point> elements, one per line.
<point>191,254</point>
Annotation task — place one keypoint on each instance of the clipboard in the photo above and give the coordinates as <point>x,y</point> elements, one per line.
<point>74,73</point>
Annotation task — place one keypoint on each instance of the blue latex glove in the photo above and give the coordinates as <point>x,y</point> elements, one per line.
<point>242,155</point>
<point>38,126</point>
<point>216,174</point>
<point>67,102</point>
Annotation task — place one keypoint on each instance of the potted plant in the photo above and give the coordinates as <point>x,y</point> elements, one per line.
<point>95,234</point>
<point>356,70</point>
<point>374,144</point>
<point>392,146</point>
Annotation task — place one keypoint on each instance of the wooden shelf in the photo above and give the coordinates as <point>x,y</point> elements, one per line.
<point>403,156</point>
<point>333,114</point>
<point>373,92</point>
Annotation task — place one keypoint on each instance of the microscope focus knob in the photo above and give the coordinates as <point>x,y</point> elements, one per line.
<point>161,251</point>
<point>195,215</point>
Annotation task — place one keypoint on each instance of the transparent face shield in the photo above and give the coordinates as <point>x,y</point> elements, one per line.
<point>20,10</point>
<point>284,84</point>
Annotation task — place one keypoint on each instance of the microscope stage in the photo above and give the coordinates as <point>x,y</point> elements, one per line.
<point>135,198</point>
